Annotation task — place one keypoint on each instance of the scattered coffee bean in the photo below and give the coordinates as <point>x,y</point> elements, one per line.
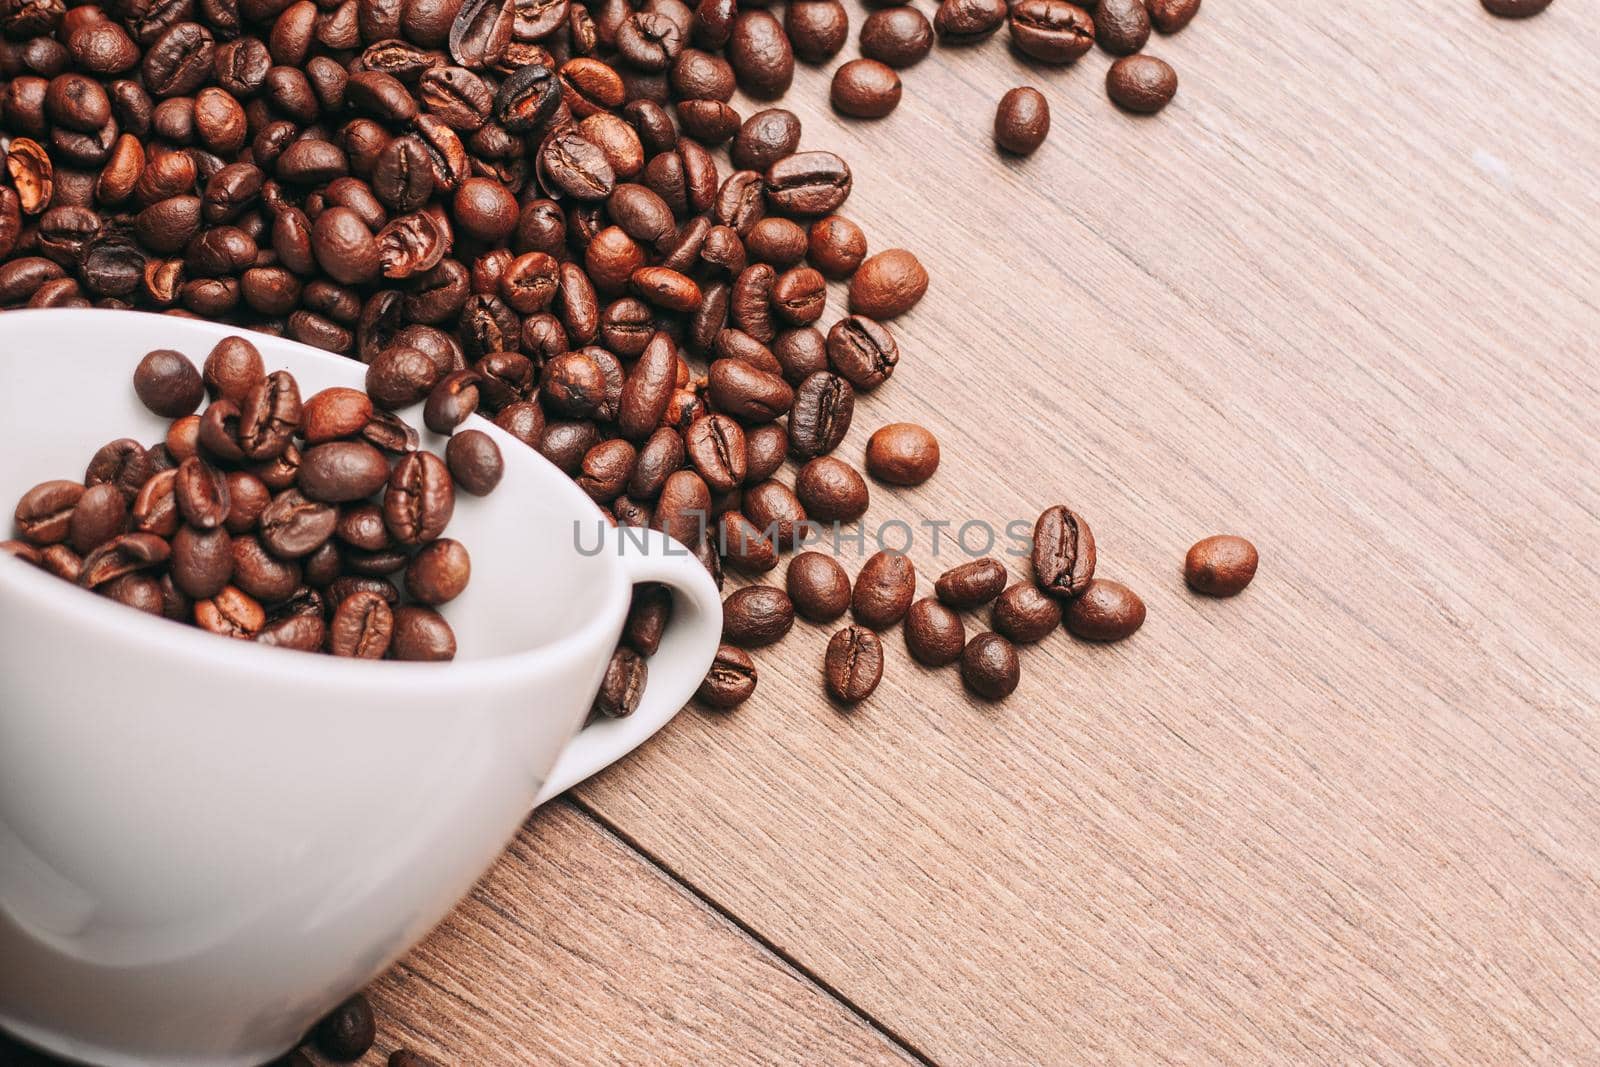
<point>168,384</point>
<point>902,453</point>
<point>1142,84</point>
<point>897,36</point>
<point>475,462</point>
<point>1221,565</point>
<point>935,634</point>
<point>884,590</point>
<point>971,585</point>
<point>1022,121</point>
<point>836,246</point>
<point>1051,31</point>
<point>1024,615</point>
<point>887,284</point>
<point>853,665</point>
<point>865,89</point>
<point>1122,26</point>
<point>818,587</point>
<point>1063,552</point>
<point>989,666</point>
<point>1105,611</point>
<point>1170,16</point>
<point>730,681</point>
<point>831,490</point>
<point>756,615</point>
<point>347,1031</point>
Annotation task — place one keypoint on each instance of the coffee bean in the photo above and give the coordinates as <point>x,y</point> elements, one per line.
<point>1141,84</point>
<point>137,591</point>
<point>989,666</point>
<point>730,681</point>
<point>99,515</point>
<point>865,88</point>
<point>831,490</point>
<point>261,574</point>
<point>475,462</point>
<point>818,586</point>
<point>780,242</point>
<point>1222,565</point>
<point>168,384</point>
<point>765,448</point>
<point>935,635</point>
<point>349,1030</point>
<point>764,138</point>
<point>335,413</point>
<point>897,36</point>
<point>968,21</point>
<point>808,183</point>
<point>862,351</point>
<point>1022,121</point>
<point>889,283</point>
<point>1509,9</point>
<point>884,590</point>
<point>303,633</point>
<point>121,556</point>
<point>622,686</point>
<point>902,453</point>
<point>439,572</point>
<point>451,401</point>
<point>1122,26</point>
<point>1063,552</point>
<point>605,469</point>
<point>419,499</point>
<point>817,29</point>
<point>853,665</point>
<point>1173,15</point>
<point>155,509</point>
<point>270,416</point>
<point>1051,31</point>
<point>776,511</point>
<point>715,444</point>
<point>760,54</point>
<point>741,390</point>
<point>756,615</point>
<point>1024,614</point>
<point>231,612</point>
<point>123,463</point>
<point>800,352</point>
<point>293,526</point>
<point>201,494</point>
<point>44,514</point>
<point>341,471</point>
<point>202,561</point>
<point>1105,611</point>
<point>401,376</point>
<point>362,627</point>
<point>971,584</point>
<point>683,511</point>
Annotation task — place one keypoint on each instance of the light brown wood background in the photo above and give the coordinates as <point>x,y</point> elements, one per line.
<point>1342,297</point>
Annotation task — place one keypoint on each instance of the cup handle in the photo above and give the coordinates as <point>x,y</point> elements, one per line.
<point>676,670</point>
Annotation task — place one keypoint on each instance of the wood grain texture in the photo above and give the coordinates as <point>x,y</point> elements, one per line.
<point>575,950</point>
<point>1342,297</point>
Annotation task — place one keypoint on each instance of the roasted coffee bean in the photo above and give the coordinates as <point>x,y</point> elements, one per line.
<point>123,463</point>
<point>649,41</point>
<point>831,490</point>
<point>566,443</point>
<point>100,514</point>
<point>823,407</point>
<point>201,494</point>
<point>1025,615</point>
<point>760,54</point>
<point>865,89</point>
<point>853,665</point>
<point>202,561</point>
<point>887,284</point>
<point>387,432</point>
<point>303,633</point>
<point>700,75</point>
<point>862,351</point>
<point>261,574</point>
<point>756,615</point>
<point>711,122</point>
<point>764,138</point>
<point>799,295</point>
<point>902,453</point>
<point>361,526</point>
<point>591,87</point>
<point>818,587</point>
<point>968,21</point>
<point>743,545</point>
<point>736,344</point>
<point>935,635</point>
<point>606,468</point>
<point>481,32</point>
<point>776,512</point>
<point>576,166</point>
<point>475,462</point>
<point>715,444</point>
<point>884,590</point>
<point>421,635</point>
<point>808,183</point>
<point>485,209</point>
<point>232,369</point>
<point>293,526</point>
<point>1105,611</point>
<point>1022,120</point>
<point>341,471</point>
<point>439,572</point>
<point>800,352</point>
<point>401,376</point>
<point>1063,552</point>
<point>219,430</point>
<point>1051,31</point>
<point>1170,16</point>
<point>451,401</point>
<point>816,29</point>
<point>419,500</point>
<point>897,36</point>
<point>971,585</point>
<point>1122,26</point>
<point>661,455</point>
<point>120,556</point>
<point>666,288</point>
<point>137,591</point>
<point>837,246</point>
<point>230,612</point>
<point>744,392</point>
<point>750,302</point>
<point>780,242</point>
<point>648,615</point>
<point>622,685</point>
<point>730,681</point>
<point>683,510</point>
<point>362,627</point>
<point>269,416</point>
<point>61,561</point>
<point>248,497</point>
<point>989,666</point>
<point>155,509</point>
<point>1142,84</point>
<point>335,413</point>
<point>44,514</point>
<point>1222,565</point>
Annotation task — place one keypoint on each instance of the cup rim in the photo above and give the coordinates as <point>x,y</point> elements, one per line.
<point>23,584</point>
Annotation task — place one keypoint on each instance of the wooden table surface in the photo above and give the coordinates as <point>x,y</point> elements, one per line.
<point>1342,297</point>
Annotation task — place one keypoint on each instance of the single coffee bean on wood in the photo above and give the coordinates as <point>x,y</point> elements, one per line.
<point>971,585</point>
<point>935,635</point>
<point>1141,83</point>
<point>887,284</point>
<point>897,36</point>
<point>818,587</point>
<point>347,1031</point>
<point>853,664</point>
<point>831,490</point>
<point>1024,614</point>
<point>884,590</point>
<point>902,453</point>
<point>865,89</point>
<point>989,666</point>
<point>837,246</point>
<point>1105,611</point>
<point>1063,552</point>
<point>730,681</point>
<point>1022,120</point>
<point>1221,565</point>
<point>1122,26</point>
<point>756,615</point>
<point>1170,16</point>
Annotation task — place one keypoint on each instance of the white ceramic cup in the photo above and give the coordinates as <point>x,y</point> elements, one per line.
<point>206,844</point>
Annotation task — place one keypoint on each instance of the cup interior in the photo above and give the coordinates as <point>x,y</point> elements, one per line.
<point>537,579</point>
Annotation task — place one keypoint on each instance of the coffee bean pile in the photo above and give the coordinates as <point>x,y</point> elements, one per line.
<point>1063,591</point>
<point>265,518</point>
